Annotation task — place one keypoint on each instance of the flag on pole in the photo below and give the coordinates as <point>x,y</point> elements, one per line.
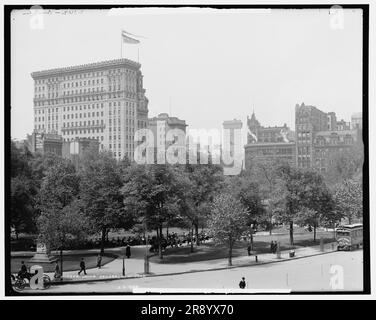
<point>127,39</point>
<point>134,35</point>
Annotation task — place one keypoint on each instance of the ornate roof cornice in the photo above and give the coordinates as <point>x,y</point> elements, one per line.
<point>88,66</point>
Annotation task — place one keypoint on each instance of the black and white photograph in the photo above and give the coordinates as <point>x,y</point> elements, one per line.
<point>186,150</point>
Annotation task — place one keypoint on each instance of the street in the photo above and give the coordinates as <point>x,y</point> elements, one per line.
<point>317,273</point>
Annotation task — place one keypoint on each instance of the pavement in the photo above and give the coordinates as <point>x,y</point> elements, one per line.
<point>134,266</point>
<point>334,272</point>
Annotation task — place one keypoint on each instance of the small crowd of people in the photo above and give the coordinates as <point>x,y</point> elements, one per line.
<point>174,240</point>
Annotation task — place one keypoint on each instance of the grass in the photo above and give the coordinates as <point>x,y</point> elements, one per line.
<point>210,251</point>
<point>70,262</point>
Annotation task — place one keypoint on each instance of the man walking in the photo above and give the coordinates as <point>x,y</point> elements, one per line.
<point>57,271</point>
<point>99,261</point>
<point>128,251</point>
<point>242,283</point>
<point>82,267</point>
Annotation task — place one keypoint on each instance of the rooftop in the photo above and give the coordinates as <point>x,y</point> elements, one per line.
<point>84,67</point>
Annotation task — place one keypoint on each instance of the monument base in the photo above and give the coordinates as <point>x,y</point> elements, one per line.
<point>43,258</point>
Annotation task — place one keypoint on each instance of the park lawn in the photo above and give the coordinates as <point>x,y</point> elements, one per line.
<point>70,262</point>
<point>211,251</point>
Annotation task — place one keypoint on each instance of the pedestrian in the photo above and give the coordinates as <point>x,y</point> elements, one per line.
<point>272,246</point>
<point>82,266</point>
<point>249,249</point>
<point>57,271</point>
<point>128,251</point>
<point>99,261</point>
<point>242,283</point>
<point>23,273</point>
<point>275,246</point>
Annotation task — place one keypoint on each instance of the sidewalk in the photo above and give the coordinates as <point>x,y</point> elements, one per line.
<point>134,267</point>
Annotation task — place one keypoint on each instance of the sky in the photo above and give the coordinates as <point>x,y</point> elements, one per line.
<point>201,65</point>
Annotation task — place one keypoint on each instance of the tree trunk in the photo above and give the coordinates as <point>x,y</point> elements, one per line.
<point>291,233</point>
<point>270,226</point>
<point>61,263</point>
<point>197,237</point>
<point>103,239</point>
<point>230,253</point>
<point>191,236</point>
<point>314,234</point>
<point>160,243</point>
<point>158,240</point>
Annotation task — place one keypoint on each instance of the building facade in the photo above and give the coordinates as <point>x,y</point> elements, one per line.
<point>160,126</point>
<point>319,136</point>
<point>104,101</point>
<point>268,143</point>
<point>232,125</point>
<point>41,142</point>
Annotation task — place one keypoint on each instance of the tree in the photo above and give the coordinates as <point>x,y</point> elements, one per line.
<point>148,192</point>
<point>286,196</point>
<point>100,184</point>
<point>206,180</point>
<point>227,221</point>
<point>346,164</point>
<point>60,218</point>
<point>348,197</point>
<point>23,190</point>
<point>61,226</point>
<point>22,198</point>
<point>315,200</point>
<point>248,192</point>
<point>265,174</point>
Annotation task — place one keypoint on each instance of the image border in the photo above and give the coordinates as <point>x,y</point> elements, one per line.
<point>7,143</point>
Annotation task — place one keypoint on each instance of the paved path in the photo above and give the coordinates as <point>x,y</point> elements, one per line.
<point>309,274</point>
<point>134,267</point>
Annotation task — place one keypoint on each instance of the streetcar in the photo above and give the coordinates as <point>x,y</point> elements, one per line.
<point>349,236</point>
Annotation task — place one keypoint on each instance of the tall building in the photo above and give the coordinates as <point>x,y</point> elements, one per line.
<point>268,143</point>
<point>319,135</point>
<point>160,126</point>
<point>308,121</point>
<point>104,101</point>
<point>232,152</point>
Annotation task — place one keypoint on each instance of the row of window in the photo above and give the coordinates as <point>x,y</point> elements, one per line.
<point>79,84</point>
<point>38,119</point>
<point>80,123</point>
<point>50,126</point>
<point>83,131</point>
<point>82,115</point>
<point>95,97</point>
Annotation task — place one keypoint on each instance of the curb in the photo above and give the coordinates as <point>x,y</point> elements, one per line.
<point>189,271</point>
